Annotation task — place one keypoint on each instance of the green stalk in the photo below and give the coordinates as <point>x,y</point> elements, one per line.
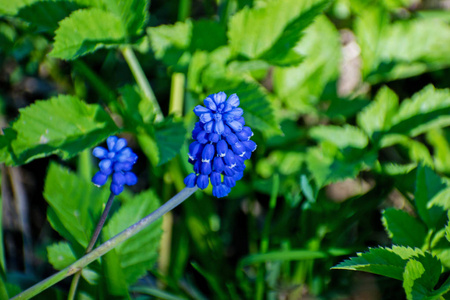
<point>177,94</point>
<point>265,235</point>
<point>101,222</point>
<point>108,245</point>
<point>142,81</point>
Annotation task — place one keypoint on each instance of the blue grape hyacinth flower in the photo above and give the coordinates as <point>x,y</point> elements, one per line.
<point>116,161</point>
<point>221,144</point>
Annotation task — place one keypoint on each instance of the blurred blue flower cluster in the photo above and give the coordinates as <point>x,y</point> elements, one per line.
<point>221,144</point>
<point>117,160</point>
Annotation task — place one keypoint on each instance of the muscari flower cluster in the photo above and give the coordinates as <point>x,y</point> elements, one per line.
<point>221,144</point>
<point>117,160</point>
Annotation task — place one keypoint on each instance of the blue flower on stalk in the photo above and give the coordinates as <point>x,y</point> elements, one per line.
<point>221,144</point>
<point>117,161</point>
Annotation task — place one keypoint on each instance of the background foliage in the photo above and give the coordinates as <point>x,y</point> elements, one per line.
<point>350,106</point>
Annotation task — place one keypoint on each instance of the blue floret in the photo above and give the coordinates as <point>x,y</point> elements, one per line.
<point>117,161</point>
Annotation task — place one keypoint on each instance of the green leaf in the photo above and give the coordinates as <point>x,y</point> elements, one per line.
<point>137,109</point>
<point>428,185</point>
<point>327,164</point>
<point>300,87</point>
<point>85,31</point>
<point>442,199</point>
<point>45,15</point>
<point>74,204</point>
<point>414,270</point>
<point>139,253</point>
<point>169,138</point>
<point>427,109</point>
<point>133,13</point>
<point>254,100</point>
<point>174,44</point>
<point>342,137</point>
<point>272,31</point>
<point>416,150</point>
<point>370,25</point>
<point>60,255</point>
<point>401,49</point>
<point>441,146</point>
<point>46,128</point>
<point>404,229</point>
<point>391,262</point>
<point>377,117</point>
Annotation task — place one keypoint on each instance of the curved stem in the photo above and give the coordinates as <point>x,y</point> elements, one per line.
<point>142,81</point>
<point>108,245</point>
<point>101,222</point>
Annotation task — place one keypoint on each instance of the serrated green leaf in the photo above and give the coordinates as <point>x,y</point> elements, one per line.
<point>139,253</point>
<point>404,229</point>
<point>45,15</point>
<point>441,146</point>
<point>169,137</point>
<point>74,205</point>
<point>328,165</point>
<point>342,137</point>
<point>270,32</point>
<point>416,151</point>
<point>254,100</point>
<point>132,13</point>
<point>87,30</point>
<point>6,153</point>
<point>442,199</point>
<point>391,262</point>
<point>377,116</point>
<point>174,44</point>
<point>427,109</point>
<point>401,49</point>
<point>369,26</point>
<point>300,87</point>
<point>137,109</point>
<point>428,185</point>
<point>60,255</point>
<point>414,270</point>
<point>46,128</point>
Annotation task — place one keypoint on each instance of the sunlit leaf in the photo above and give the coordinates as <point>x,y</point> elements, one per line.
<point>427,109</point>
<point>87,30</point>
<point>300,87</point>
<point>46,127</point>
<point>342,137</point>
<point>272,31</point>
<point>391,262</point>
<point>377,117</point>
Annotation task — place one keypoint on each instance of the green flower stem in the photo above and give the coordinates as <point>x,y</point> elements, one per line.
<point>265,235</point>
<point>108,245</point>
<point>101,222</point>
<point>177,94</point>
<point>142,81</point>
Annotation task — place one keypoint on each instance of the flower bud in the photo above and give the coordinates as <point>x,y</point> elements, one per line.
<point>190,180</point>
<point>208,153</point>
<point>202,181</point>
<point>216,178</point>
<point>205,168</point>
<point>218,164</point>
<point>222,148</point>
